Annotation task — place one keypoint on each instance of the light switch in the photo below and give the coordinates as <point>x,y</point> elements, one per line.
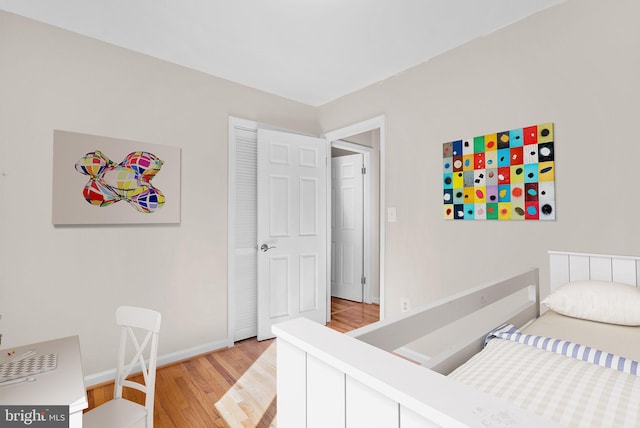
<point>391,215</point>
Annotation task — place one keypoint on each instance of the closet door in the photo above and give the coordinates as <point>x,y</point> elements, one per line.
<point>243,230</point>
<point>305,287</point>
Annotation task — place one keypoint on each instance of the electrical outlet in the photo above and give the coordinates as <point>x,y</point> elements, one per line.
<point>404,304</point>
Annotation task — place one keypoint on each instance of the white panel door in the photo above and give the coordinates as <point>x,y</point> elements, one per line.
<point>292,230</point>
<point>347,227</point>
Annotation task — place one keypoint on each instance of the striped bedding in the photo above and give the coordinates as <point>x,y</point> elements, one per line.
<point>564,347</point>
<point>571,391</point>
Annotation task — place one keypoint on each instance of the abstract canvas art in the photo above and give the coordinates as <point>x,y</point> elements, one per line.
<point>509,175</point>
<point>128,181</point>
<point>103,180</point>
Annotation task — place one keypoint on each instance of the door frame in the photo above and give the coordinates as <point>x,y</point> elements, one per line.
<point>366,214</point>
<point>372,124</point>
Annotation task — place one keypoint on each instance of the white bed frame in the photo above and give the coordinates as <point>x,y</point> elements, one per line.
<point>329,379</point>
<point>565,266</point>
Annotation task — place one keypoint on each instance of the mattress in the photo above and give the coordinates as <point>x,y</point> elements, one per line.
<point>570,391</point>
<point>618,339</point>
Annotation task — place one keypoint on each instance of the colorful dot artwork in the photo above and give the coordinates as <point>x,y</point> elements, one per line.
<point>508,175</point>
<point>130,180</point>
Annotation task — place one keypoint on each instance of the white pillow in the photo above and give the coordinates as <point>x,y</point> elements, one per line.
<point>601,301</point>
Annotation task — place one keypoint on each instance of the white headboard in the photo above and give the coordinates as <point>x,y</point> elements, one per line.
<point>567,266</point>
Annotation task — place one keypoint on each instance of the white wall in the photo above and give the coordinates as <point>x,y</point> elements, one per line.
<point>576,64</point>
<point>58,281</point>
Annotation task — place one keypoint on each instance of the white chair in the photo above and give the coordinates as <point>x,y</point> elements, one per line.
<point>120,412</point>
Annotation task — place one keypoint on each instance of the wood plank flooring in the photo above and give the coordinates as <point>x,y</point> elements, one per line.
<point>229,388</point>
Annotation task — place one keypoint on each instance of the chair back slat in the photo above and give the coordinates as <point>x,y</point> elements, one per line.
<point>142,318</point>
<point>131,320</point>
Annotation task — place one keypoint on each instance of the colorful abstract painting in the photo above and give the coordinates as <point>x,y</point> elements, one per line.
<point>508,175</point>
<point>104,180</point>
<point>129,181</point>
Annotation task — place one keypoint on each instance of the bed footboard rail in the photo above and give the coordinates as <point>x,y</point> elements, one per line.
<point>396,331</point>
<point>329,379</point>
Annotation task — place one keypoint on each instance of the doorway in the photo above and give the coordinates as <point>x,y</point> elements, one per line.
<point>368,138</point>
<point>242,240</point>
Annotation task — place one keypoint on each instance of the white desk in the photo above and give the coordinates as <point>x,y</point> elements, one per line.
<point>62,386</point>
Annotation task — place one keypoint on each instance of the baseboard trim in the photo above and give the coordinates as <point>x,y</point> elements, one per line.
<point>163,360</point>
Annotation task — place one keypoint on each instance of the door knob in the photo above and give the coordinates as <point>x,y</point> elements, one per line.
<point>265,247</point>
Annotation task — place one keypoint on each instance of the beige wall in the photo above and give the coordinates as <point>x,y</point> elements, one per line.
<point>57,281</point>
<point>577,65</point>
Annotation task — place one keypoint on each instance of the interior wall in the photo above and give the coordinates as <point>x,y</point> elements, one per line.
<point>336,152</point>
<point>60,281</point>
<point>577,65</point>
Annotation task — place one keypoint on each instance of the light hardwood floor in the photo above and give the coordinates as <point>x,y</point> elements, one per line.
<point>233,387</point>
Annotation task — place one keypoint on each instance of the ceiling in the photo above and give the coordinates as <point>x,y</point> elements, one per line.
<point>311,51</point>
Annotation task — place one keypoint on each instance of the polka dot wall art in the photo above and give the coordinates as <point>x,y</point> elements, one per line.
<point>508,175</point>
